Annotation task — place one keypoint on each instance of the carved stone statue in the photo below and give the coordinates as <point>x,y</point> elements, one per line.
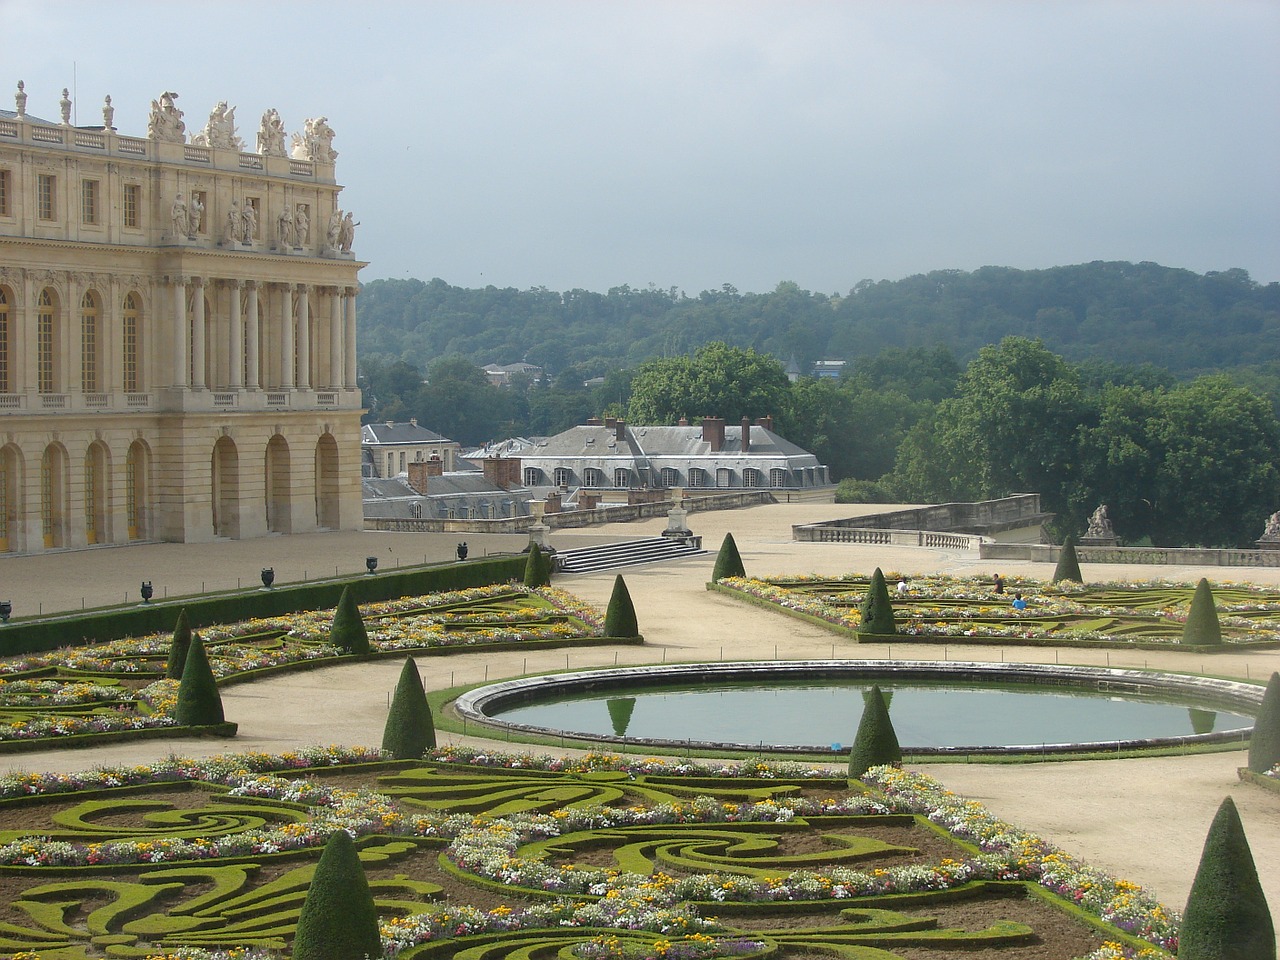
<point>165,122</point>
<point>195,216</point>
<point>315,142</point>
<point>108,114</point>
<point>271,135</point>
<point>249,222</point>
<point>1272,532</point>
<point>65,105</point>
<point>179,217</point>
<point>20,100</point>
<point>1099,524</point>
<point>301,226</point>
<point>284,226</point>
<point>220,131</point>
<point>348,233</point>
<point>333,235</point>
<point>234,229</point>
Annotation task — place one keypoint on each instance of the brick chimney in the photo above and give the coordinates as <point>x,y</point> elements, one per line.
<point>766,422</point>
<point>435,466</point>
<point>503,472</point>
<point>594,422</point>
<point>610,422</point>
<point>619,429</point>
<point>684,422</point>
<point>418,474</point>
<point>746,434</point>
<point>553,503</point>
<point>713,433</point>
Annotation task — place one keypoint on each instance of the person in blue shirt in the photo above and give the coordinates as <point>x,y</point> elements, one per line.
<point>1018,602</point>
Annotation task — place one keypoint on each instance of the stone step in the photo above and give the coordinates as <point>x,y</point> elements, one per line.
<point>628,553</point>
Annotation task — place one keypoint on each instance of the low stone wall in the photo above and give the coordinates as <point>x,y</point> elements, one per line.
<point>952,526</point>
<point>1174,556</point>
<point>604,513</point>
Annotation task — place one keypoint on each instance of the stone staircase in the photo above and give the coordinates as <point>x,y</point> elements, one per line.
<point>628,553</point>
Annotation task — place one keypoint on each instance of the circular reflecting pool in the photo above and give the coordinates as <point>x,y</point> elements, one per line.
<point>935,708</point>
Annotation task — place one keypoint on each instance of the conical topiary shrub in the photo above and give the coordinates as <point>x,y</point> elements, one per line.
<point>536,568</point>
<point>620,710</point>
<point>1202,625</point>
<point>876,610</point>
<point>1227,917</point>
<point>620,617</point>
<point>348,633</point>
<point>728,561</point>
<point>1068,567</point>
<point>410,730</point>
<point>1264,745</point>
<point>179,647</point>
<point>876,742</point>
<point>338,919</point>
<point>199,703</point>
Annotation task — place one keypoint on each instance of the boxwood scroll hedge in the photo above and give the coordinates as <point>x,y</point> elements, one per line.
<point>37,636</point>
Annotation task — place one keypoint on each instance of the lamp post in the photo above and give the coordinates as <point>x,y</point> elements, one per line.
<point>147,591</point>
<point>268,577</point>
<point>370,564</point>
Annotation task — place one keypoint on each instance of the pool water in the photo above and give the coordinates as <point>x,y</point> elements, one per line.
<point>826,715</point>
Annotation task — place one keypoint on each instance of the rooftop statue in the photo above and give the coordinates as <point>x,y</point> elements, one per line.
<point>165,122</point>
<point>220,131</point>
<point>315,142</point>
<point>271,135</point>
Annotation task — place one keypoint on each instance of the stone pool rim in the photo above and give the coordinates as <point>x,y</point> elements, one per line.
<point>1239,696</point>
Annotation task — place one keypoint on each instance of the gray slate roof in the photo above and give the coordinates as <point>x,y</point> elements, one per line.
<point>594,441</point>
<point>399,433</point>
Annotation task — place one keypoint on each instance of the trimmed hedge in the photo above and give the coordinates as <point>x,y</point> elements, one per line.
<point>876,610</point>
<point>409,731</point>
<point>876,742</point>
<point>1068,567</point>
<point>1264,744</point>
<point>728,560</point>
<point>338,919</point>
<point>199,703</point>
<point>179,647</point>
<point>620,617</point>
<point>348,632</point>
<point>1202,627</point>
<point>39,636</point>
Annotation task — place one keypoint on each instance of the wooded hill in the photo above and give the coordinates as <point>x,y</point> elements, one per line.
<point>1117,312</point>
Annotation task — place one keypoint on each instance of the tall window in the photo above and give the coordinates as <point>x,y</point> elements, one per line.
<point>132,201</point>
<point>6,188</point>
<point>622,477</point>
<point>532,476</point>
<point>45,313</point>
<point>5,386</point>
<point>129,369</point>
<point>563,476</point>
<point>592,477</point>
<point>46,196</point>
<point>88,201</point>
<point>89,344</point>
<point>670,476</point>
<point>90,498</point>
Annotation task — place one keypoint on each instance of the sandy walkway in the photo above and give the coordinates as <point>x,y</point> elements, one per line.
<point>1144,820</point>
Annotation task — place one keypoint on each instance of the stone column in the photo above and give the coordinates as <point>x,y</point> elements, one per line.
<point>179,285</point>
<point>349,380</point>
<point>304,337</point>
<point>236,347</point>
<point>286,336</point>
<point>253,375</point>
<point>197,333</point>
<point>67,372</point>
<point>337,336</point>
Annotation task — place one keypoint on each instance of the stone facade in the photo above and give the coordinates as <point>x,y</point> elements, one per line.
<point>177,333</point>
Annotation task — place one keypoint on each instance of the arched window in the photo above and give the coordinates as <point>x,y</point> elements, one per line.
<point>670,477</point>
<point>90,337</point>
<point>46,342</point>
<point>6,299</point>
<point>130,372</point>
<point>622,477</point>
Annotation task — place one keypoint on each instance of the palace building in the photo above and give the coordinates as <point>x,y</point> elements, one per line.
<point>177,332</point>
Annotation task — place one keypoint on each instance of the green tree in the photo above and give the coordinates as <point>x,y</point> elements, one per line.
<point>876,742</point>
<point>718,380</point>
<point>728,560</point>
<point>1264,743</point>
<point>199,703</point>
<point>410,730</point>
<point>179,647</point>
<point>876,611</point>
<point>338,920</point>
<point>347,632</point>
<point>620,616</point>
<point>1227,917</point>
<point>1202,625</point>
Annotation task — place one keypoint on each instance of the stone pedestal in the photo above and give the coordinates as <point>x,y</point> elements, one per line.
<point>678,527</point>
<point>1111,541</point>
<point>538,534</point>
<point>1268,543</point>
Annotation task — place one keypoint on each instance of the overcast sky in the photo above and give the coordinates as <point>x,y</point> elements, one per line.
<point>693,144</point>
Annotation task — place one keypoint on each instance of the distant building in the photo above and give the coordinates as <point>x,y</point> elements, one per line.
<point>601,455</point>
<point>426,491</point>
<point>390,448</point>
<point>828,369</point>
<point>177,331</point>
<point>500,374</point>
